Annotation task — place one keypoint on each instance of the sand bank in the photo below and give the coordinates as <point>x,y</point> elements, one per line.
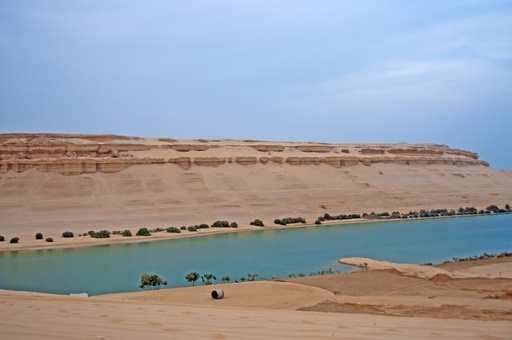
<point>370,304</point>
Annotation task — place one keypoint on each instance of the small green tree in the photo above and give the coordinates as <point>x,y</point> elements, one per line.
<point>226,279</point>
<point>127,233</point>
<point>208,279</point>
<point>149,282</point>
<point>192,277</point>
<point>252,277</point>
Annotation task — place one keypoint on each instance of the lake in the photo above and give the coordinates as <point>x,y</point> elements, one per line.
<point>268,253</point>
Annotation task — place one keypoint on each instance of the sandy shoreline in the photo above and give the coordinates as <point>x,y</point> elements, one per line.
<point>28,242</point>
<point>370,304</point>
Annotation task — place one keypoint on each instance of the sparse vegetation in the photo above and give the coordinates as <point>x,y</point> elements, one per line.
<point>67,234</point>
<point>149,282</point>
<point>258,223</point>
<point>225,279</point>
<point>101,234</point>
<point>143,232</point>
<point>192,277</point>
<point>173,230</point>
<point>252,277</point>
<point>208,279</point>
<point>289,220</point>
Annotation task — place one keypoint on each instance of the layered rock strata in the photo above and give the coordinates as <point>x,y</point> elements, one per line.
<point>83,154</point>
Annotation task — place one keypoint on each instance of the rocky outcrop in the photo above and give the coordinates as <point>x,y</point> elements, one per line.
<point>82,154</point>
<point>268,148</point>
<point>189,147</point>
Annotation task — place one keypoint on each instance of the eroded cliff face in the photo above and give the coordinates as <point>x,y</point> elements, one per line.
<point>88,181</point>
<point>83,154</point>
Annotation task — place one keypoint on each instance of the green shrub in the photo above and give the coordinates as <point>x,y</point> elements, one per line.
<point>204,226</point>
<point>2,238</point>
<point>14,240</point>
<point>143,232</point>
<point>49,239</point>
<point>173,230</point>
<point>233,225</point>
<point>101,234</point>
<point>258,223</point>
<point>277,221</point>
<point>192,228</point>
<point>39,236</point>
<point>318,222</point>
<point>220,224</point>
<point>183,228</point>
<point>90,232</point>
<point>126,232</point>
<point>67,234</point>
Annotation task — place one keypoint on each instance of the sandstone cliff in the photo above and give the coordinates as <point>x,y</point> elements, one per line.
<point>100,180</point>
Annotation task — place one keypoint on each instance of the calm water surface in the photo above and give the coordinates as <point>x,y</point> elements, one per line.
<point>269,253</point>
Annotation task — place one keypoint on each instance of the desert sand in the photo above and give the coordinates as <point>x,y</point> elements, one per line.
<point>53,183</point>
<point>369,304</point>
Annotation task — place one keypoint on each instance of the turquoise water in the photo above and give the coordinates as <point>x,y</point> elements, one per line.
<point>269,253</point>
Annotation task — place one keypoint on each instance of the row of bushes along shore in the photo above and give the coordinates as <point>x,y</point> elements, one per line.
<point>492,209</point>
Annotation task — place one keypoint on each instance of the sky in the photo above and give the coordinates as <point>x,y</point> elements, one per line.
<point>335,71</point>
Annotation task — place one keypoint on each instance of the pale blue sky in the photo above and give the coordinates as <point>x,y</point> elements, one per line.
<point>327,71</point>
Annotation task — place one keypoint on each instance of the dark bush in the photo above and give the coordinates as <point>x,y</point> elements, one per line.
<point>277,221</point>
<point>183,228</point>
<point>101,234</point>
<point>126,232</point>
<point>90,232</point>
<point>258,223</point>
<point>321,218</point>
<point>204,226</point>
<point>173,230</point>
<point>39,236</point>
<point>2,238</point>
<point>220,224</point>
<point>14,240</point>
<point>318,222</point>
<point>49,239</point>
<point>493,208</point>
<point>192,228</point>
<point>233,225</point>
<point>67,234</point>
<point>143,232</point>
